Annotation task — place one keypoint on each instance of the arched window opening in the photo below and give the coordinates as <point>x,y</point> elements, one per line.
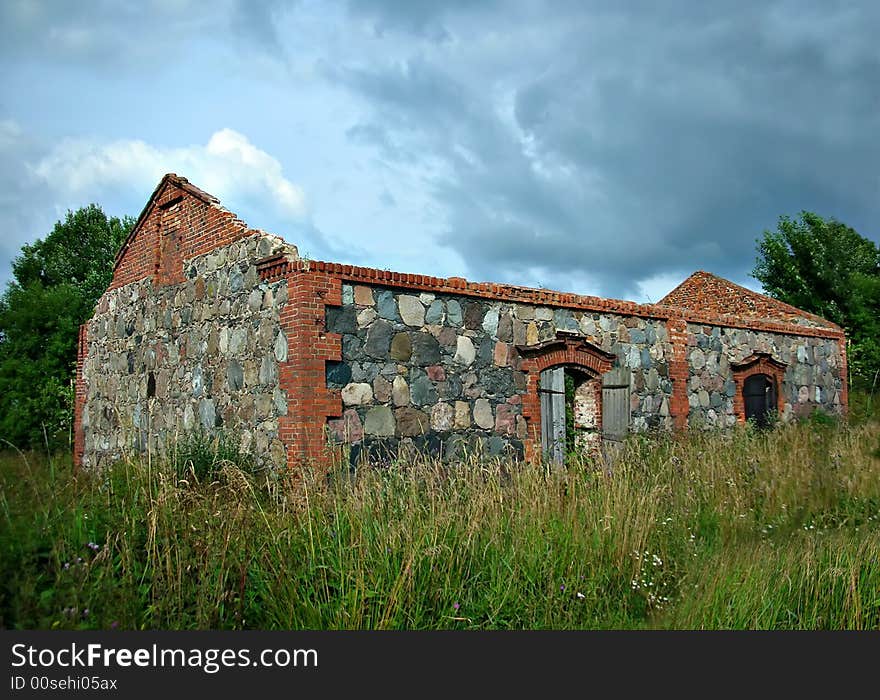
<point>759,380</point>
<point>582,413</point>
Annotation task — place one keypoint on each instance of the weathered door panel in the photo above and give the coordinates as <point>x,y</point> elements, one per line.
<point>615,404</point>
<point>552,391</point>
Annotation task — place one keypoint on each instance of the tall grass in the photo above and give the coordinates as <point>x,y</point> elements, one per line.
<point>748,529</point>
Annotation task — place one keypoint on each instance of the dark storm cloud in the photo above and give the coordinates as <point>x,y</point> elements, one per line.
<point>105,35</point>
<point>599,144</point>
<point>643,141</point>
<point>256,20</point>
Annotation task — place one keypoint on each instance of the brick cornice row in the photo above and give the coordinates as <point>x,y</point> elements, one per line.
<point>538,297</point>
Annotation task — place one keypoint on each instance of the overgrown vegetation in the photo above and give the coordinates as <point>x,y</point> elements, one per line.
<point>201,456</point>
<point>751,529</point>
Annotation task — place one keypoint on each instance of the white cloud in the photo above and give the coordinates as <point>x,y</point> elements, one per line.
<point>229,166</point>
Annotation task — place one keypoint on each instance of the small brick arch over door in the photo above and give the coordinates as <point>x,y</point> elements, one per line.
<point>760,363</point>
<point>567,349</point>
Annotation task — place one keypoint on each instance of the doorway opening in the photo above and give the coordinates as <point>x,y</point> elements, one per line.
<point>571,401</point>
<point>759,399</point>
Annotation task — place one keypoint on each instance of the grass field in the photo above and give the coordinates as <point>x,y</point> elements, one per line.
<point>755,530</point>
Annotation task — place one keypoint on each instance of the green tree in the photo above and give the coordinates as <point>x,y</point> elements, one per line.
<point>827,268</point>
<point>56,282</point>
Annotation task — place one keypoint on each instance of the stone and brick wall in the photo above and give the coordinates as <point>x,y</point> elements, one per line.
<point>813,377</point>
<point>180,223</point>
<point>442,373</point>
<point>188,336</point>
<point>209,324</point>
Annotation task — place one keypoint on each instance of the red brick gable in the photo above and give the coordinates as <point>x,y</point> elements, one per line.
<point>179,222</point>
<point>708,293</point>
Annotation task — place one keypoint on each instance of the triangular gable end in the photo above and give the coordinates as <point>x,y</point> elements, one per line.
<point>178,222</point>
<point>705,292</point>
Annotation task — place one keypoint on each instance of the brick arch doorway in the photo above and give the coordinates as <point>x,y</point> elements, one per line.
<point>546,366</point>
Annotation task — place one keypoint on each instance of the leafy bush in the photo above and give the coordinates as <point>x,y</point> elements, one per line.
<point>821,419</point>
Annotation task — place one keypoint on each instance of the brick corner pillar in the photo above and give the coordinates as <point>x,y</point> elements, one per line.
<point>303,376</point>
<point>531,410</point>
<point>79,399</point>
<point>676,329</point>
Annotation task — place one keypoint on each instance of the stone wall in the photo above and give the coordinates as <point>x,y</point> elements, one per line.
<point>432,372</point>
<point>440,373</point>
<point>162,362</point>
<point>813,377</point>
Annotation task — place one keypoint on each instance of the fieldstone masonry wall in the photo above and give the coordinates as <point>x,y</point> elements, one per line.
<point>166,361</point>
<point>441,373</point>
<point>812,379</point>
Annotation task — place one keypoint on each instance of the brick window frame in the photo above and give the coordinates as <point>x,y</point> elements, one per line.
<point>757,363</point>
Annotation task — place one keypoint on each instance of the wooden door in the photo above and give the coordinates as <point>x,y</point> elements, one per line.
<point>552,392</point>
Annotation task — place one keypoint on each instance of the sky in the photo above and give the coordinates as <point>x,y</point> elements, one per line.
<point>605,147</point>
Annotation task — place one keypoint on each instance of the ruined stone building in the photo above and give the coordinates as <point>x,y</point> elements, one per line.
<point>208,324</point>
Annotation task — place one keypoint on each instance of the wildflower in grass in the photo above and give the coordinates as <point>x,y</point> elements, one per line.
<point>580,595</point>
<point>114,624</point>
<point>455,606</point>
<point>562,587</point>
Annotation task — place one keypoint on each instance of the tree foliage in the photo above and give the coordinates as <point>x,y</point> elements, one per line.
<point>827,268</point>
<point>56,282</point>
